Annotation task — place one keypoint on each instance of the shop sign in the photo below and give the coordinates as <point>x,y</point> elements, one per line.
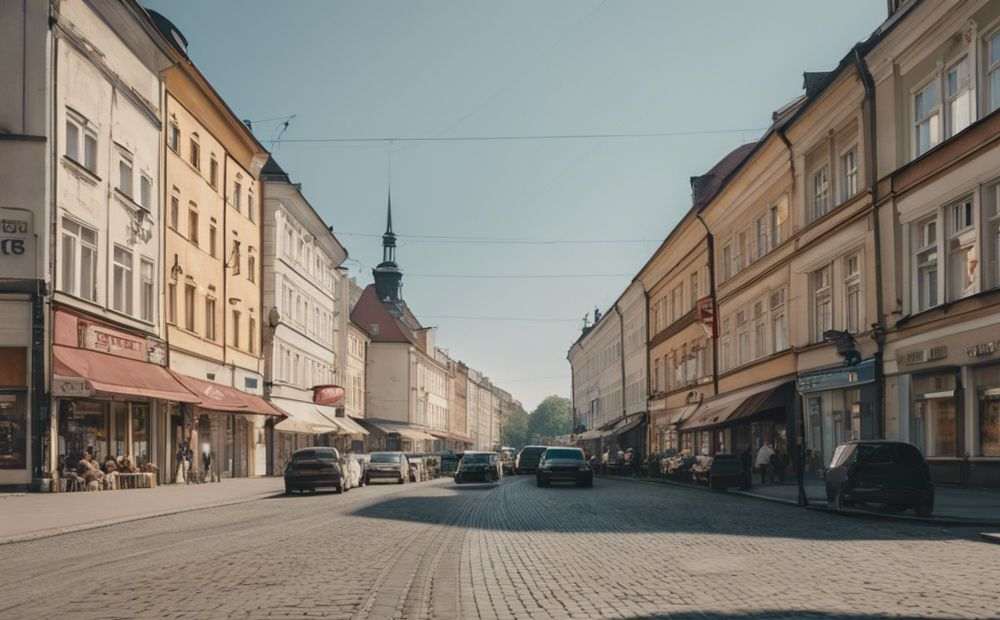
<point>17,244</point>
<point>71,387</point>
<point>837,378</point>
<point>156,353</point>
<point>983,349</point>
<point>922,356</point>
<point>98,338</point>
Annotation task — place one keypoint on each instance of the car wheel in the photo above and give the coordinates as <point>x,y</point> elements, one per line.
<point>924,509</point>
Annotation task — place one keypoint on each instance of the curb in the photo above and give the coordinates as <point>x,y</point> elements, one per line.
<point>952,521</point>
<point>50,533</point>
<point>990,537</point>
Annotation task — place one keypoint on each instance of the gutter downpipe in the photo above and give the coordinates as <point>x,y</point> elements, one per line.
<point>798,415</point>
<point>879,327</point>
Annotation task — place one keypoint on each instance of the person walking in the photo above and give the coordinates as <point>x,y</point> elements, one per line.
<point>183,463</point>
<point>208,472</point>
<point>763,460</point>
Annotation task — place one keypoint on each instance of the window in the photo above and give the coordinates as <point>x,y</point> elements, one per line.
<point>743,254</point>
<point>926,263</point>
<point>852,293</point>
<point>250,208</point>
<point>210,318</point>
<point>125,176</point>
<point>822,302</point>
<point>79,256</point>
<point>676,303</point>
<point>727,262</point>
<point>175,212</point>
<point>193,223</point>
<point>992,215</point>
<point>122,275</point>
<point>777,216</point>
<point>174,137</point>
<point>251,266</point>
<point>189,298</point>
<point>993,70</point>
<point>927,118</point>
<point>289,243</point>
<point>935,421</point>
<point>77,126</point>
<point>146,192</point>
<point>694,289</point>
<point>962,255</point>
<point>236,331</point>
<point>656,375</point>
<point>147,296</point>
<point>957,98</point>
<point>237,196</point>
<point>779,323</point>
<point>172,302</point>
<point>759,330</point>
<point>251,339</point>
<point>849,168</point>
<point>235,259</point>
<point>761,229</point>
<point>742,338</point>
<point>821,192</point>
<point>213,236</point>
<point>195,152</point>
<point>213,172</point>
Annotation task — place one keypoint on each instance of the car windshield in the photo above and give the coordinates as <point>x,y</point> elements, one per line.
<point>476,458</point>
<point>308,455</point>
<point>385,457</point>
<point>567,453</point>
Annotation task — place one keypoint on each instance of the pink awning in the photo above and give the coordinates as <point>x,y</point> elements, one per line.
<point>216,397</point>
<point>111,374</point>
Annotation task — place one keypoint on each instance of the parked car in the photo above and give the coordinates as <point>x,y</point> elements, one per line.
<point>890,473</point>
<point>313,468</point>
<point>564,465</point>
<point>507,456</point>
<point>718,472</point>
<point>388,466</point>
<point>528,458</point>
<point>479,467</point>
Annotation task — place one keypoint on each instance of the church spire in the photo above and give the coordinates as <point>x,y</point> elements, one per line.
<point>387,274</point>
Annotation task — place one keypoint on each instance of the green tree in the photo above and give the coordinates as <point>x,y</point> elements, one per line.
<point>515,428</point>
<point>550,418</point>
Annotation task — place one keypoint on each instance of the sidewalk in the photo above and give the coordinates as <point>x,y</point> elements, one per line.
<point>949,502</point>
<point>36,515</point>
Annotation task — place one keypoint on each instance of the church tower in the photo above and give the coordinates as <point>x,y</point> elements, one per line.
<point>387,274</point>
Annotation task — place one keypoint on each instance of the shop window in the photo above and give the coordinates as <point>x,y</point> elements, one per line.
<point>13,428</point>
<point>935,423</point>
<point>988,396</point>
<point>83,427</point>
<point>140,434</point>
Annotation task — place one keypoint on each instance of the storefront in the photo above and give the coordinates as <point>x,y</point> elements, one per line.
<point>14,431</point>
<point>397,436</point>
<point>948,398</point>
<point>838,405</point>
<point>747,418</point>
<point>112,399</point>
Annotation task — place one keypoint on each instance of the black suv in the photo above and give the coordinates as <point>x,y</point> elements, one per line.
<point>564,465</point>
<point>891,473</point>
<point>312,468</point>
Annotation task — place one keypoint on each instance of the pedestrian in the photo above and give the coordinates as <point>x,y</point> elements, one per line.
<point>208,472</point>
<point>183,463</point>
<point>763,461</point>
<point>746,463</point>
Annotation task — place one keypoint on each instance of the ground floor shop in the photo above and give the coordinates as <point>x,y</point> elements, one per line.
<point>23,408</point>
<point>948,403</point>
<point>838,405</point>
<point>312,424</point>
<point>390,435</point>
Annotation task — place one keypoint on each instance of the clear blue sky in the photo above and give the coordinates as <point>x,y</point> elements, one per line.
<point>437,68</point>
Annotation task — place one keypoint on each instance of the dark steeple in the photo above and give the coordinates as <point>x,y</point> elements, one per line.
<point>387,274</point>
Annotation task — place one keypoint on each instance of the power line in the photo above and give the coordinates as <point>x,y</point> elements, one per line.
<point>496,240</point>
<point>522,137</point>
<point>511,276</point>
<point>500,318</point>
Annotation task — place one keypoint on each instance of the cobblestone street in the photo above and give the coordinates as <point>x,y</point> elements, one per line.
<point>436,550</point>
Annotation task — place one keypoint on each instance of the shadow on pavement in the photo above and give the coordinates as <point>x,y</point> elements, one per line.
<point>769,614</point>
<point>612,507</point>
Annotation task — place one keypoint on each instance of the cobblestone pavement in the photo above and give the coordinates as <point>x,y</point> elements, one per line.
<point>436,550</point>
